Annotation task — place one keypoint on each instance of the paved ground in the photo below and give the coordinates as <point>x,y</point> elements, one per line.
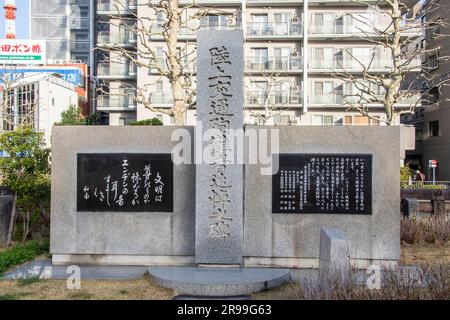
<point>43,269</point>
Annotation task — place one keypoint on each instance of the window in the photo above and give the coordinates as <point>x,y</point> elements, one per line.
<point>283,120</point>
<point>122,121</point>
<point>260,24</point>
<point>433,128</point>
<point>321,120</point>
<point>433,62</point>
<point>433,96</point>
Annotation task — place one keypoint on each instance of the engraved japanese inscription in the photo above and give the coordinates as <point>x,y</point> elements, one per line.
<point>125,183</point>
<point>219,182</point>
<point>323,183</point>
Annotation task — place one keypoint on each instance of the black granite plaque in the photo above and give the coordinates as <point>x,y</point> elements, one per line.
<point>125,182</point>
<point>323,183</point>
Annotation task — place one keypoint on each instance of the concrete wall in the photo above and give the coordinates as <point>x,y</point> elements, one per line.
<point>292,240</point>
<point>118,238</point>
<point>288,240</point>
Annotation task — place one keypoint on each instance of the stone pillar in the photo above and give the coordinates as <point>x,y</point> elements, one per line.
<point>219,179</point>
<point>410,207</point>
<point>334,256</point>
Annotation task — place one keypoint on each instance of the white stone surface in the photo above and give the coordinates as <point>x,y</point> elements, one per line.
<point>118,233</point>
<point>373,237</point>
<point>219,240</point>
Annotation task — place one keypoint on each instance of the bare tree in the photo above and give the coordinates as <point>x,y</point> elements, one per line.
<point>395,83</point>
<point>270,100</point>
<point>166,21</point>
<point>10,117</point>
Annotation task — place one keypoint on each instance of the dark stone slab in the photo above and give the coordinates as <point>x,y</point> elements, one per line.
<point>125,182</point>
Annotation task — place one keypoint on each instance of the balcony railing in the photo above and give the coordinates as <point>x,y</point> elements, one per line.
<point>349,64</point>
<point>184,31</point>
<point>79,23</point>
<point>262,64</point>
<point>336,99</point>
<point>80,45</point>
<point>262,29</point>
<point>161,97</point>
<point>117,6</point>
<point>116,102</point>
<point>262,98</point>
<point>126,70</point>
<point>123,39</point>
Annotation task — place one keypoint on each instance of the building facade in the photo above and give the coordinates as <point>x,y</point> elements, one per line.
<point>292,49</point>
<point>65,25</point>
<point>432,120</point>
<point>36,100</point>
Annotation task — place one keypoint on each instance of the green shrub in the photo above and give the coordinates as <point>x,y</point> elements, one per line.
<point>405,174</point>
<point>22,253</point>
<point>147,122</point>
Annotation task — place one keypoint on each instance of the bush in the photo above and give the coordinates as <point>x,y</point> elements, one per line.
<point>434,229</point>
<point>405,174</point>
<point>22,253</point>
<point>429,282</point>
<point>147,122</point>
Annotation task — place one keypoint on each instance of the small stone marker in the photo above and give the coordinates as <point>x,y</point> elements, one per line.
<point>334,256</point>
<point>219,182</point>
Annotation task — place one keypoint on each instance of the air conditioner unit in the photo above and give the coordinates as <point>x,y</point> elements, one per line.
<point>231,22</point>
<point>296,64</point>
<point>295,29</point>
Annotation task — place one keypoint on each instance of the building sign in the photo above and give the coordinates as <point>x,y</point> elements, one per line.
<point>432,163</point>
<point>14,51</point>
<point>125,183</point>
<point>72,75</point>
<point>323,183</point>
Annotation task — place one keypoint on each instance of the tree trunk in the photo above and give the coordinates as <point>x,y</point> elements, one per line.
<point>12,220</point>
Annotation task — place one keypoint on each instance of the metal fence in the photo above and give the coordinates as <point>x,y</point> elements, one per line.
<point>426,185</point>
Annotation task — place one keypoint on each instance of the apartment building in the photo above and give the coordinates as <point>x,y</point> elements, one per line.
<point>65,25</point>
<point>292,50</point>
<point>433,121</point>
<point>37,100</point>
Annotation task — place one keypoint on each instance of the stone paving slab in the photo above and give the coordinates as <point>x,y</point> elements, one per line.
<point>45,270</point>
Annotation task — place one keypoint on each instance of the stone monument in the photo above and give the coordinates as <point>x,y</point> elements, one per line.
<point>219,180</point>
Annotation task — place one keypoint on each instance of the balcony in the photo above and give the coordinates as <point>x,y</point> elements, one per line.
<point>121,39</point>
<point>350,65</point>
<point>117,71</point>
<point>83,46</point>
<point>112,102</point>
<point>279,98</point>
<point>337,100</point>
<point>161,98</point>
<point>274,30</point>
<point>355,28</point>
<point>79,23</point>
<point>117,7</point>
<point>115,103</point>
<point>192,33</point>
<point>289,64</point>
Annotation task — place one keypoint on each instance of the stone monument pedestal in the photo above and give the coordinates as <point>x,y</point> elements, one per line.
<point>218,282</point>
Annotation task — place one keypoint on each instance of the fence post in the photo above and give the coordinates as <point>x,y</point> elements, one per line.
<point>438,203</point>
